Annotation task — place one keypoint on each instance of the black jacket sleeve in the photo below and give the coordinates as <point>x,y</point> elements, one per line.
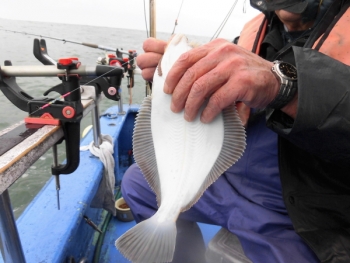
<point>322,124</point>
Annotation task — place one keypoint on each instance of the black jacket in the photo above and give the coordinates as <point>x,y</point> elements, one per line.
<point>314,149</point>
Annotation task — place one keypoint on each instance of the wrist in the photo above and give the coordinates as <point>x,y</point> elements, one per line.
<point>287,75</point>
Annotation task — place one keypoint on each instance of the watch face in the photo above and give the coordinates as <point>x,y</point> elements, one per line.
<point>288,70</point>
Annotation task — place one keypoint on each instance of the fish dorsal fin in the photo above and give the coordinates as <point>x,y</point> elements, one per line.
<point>143,147</point>
<point>232,149</point>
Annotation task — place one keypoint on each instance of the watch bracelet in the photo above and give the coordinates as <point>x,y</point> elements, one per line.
<point>284,96</point>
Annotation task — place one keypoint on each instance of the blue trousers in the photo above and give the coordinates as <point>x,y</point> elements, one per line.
<point>246,200</point>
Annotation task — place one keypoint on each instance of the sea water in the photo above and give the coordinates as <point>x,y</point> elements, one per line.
<point>18,48</point>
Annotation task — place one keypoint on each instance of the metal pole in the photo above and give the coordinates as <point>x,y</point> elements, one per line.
<point>153,30</point>
<point>11,248</point>
<point>152,15</point>
<point>52,71</point>
<point>95,114</point>
<point>120,104</point>
<point>57,176</point>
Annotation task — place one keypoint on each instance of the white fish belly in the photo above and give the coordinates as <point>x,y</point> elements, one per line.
<point>185,151</point>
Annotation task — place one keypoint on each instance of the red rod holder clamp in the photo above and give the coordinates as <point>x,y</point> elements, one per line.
<point>45,119</point>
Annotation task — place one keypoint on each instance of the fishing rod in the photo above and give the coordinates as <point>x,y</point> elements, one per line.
<point>105,48</point>
<point>223,23</point>
<point>177,17</point>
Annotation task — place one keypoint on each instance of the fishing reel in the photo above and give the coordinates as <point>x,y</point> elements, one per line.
<point>128,63</point>
<point>109,85</point>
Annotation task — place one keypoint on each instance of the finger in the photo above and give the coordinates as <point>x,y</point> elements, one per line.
<point>154,45</point>
<point>147,73</point>
<point>221,99</point>
<point>195,85</point>
<point>202,89</point>
<point>148,60</point>
<point>183,64</point>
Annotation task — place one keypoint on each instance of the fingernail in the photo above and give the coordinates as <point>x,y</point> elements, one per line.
<point>187,118</point>
<point>166,89</point>
<point>204,119</point>
<point>172,107</point>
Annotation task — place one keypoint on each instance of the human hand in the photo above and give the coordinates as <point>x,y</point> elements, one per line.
<point>220,73</point>
<point>148,61</point>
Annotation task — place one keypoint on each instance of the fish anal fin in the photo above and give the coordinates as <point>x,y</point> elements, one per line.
<point>143,148</point>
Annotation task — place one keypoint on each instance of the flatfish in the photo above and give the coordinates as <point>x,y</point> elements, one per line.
<point>179,160</point>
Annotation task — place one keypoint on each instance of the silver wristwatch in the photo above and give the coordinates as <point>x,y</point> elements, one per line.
<point>287,73</point>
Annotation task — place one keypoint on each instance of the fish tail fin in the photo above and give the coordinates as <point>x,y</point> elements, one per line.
<point>149,241</point>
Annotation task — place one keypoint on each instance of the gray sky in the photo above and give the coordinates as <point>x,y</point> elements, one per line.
<point>197,17</point>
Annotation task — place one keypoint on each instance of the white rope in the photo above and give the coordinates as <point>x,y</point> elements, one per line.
<point>105,153</point>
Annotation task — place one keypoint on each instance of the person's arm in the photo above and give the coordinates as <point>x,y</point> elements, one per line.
<point>322,122</point>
